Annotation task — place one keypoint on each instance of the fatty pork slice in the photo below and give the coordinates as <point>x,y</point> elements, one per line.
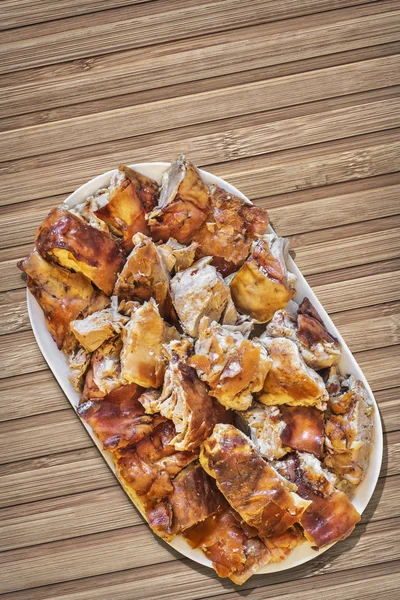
<point>129,197</point>
<point>185,399</point>
<point>330,517</point>
<point>193,499</point>
<point>290,381</point>
<point>253,488</point>
<point>317,346</point>
<point>349,429</point>
<point>232,366</point>
<point>227,234</point>
<point>62,295</point>
<point>263,284</point>
<point>277,430</point>
<point>67,240</point>
<point>145,276</point>
<point>183,203</point>
<point>142,359</point>
<point>233,547</point>
<point>119,418</point>
<point>146,469</point>
<point>198,292</point>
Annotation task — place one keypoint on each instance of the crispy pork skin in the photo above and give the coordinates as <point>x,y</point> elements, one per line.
<point>263,285</point>
<point>251,486</point>
<point>130,196</point>
<point>183,204</point>
<point>62,295</point>
<point>229,230</point>
<point>70,242</point>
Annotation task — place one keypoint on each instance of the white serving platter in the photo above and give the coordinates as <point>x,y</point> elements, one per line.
<point>58,364</point>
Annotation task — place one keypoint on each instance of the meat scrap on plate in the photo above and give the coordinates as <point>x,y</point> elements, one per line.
<point>219,397</point>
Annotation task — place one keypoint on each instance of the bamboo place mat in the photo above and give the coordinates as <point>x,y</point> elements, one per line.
<point>298,105</point>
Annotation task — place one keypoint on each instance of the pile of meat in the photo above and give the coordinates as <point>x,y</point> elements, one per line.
<point>219,398</point>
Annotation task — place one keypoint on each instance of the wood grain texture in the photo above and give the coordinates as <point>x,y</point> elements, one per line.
<point>199,85</point>
<point>27,12</point>
<point>295,103</point>
<point>123,28</point>
<point>208,56</point>
<point>201,108</point>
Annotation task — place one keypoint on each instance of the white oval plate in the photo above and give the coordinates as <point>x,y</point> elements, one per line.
<point>58,364</point>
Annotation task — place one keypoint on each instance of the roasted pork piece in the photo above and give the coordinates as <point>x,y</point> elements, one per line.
<point>317,346</point>
<point>78,364</point>
<point>234,548</point>
<point>178,256</point>
<point>253,488</point>
<point>263,285</point>
<point>229,230</point>
<point>119,419</point>
<point>264,426</point>
<point>86,210</point>
<point>129,197</point>
<point>290,381</point>
<point>62,295</point>
<point>145,276</point>
<point>349,428</point>
<point>105,368</point>
<point>233,366</point>
<point>142,359</point>
<point>69,241</point>
<point>98,327</point>
<point>276,430</point>
<point>183,203</point>
<point>185,399</point>
<point>146,469</point>
<point>193,499</point>
<point>197,292</point>
<point>330,517</point>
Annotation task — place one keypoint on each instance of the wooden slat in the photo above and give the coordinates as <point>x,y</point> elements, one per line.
<point>13,312</point>
<point>200,108</point>
<point>176,580</point>
<point>57,561</point>
<point>53,475</point>
<point>367,328</point>
<point>10,277</point>
<point>38,565</point>
<point>29,395</point>
<point>350,251</point>
<point>80,471</point>
<point>363,291</point>
<point>315,166</point>
<point>387,585</point>
<point>27,12</point>
<point>207,56</point>
<point>194,87</point>
<point>313,208</point>
<point>73,516</point>
<point>370,327</point>
<point>388,402</point>
<point>381,367</point>
<point>18,345</point>
<point>334,211</point>
<point>14,229</point>
<point>42,435</point>
<point>78,37</point>
<point>54,432</point>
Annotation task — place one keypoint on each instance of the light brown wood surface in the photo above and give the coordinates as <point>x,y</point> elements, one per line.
<point>297,104</point>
